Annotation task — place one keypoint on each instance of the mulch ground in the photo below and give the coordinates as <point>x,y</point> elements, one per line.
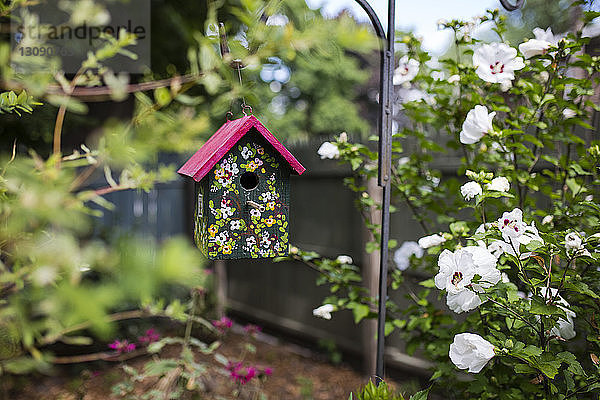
<point>298,374</point>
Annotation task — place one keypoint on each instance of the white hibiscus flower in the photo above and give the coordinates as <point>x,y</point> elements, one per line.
<point>406,71</point>
<point>328,150</point>
<point>464,301</point>
<point>511,224</point>
<point>477,124</point>
<point>470,351</point>
<point>499,247</point>
<point>574,243</point>
<point>485,267</point>
<point>454,79</point>
<point>324,311</point>
<point>499,184</point>
<point>470,189</point>
<point>403,254</point>
<point>431,240</point>
<point>456,271</point>
<point>546,35</point>
<point>515,232</point>
<point>344,259</point>
<point>496,62</point>
<point>591,30</point>
<point>534,47</point>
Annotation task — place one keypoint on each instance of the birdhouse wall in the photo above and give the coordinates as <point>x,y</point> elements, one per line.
<point>200,215</point>
<point>239,220</point>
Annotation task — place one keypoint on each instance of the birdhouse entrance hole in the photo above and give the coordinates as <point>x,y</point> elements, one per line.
<point>249,180</point>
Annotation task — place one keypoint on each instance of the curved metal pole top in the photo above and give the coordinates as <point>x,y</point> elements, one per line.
<point>379,28</point>
<point>511,7</point>
<point>373,17</point>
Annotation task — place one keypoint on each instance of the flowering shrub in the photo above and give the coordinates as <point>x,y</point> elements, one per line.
<point>514,250</point>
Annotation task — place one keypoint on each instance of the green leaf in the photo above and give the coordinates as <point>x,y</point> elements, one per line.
<point>389,328</point>
<point>70,103</point>
<point>534,245</point>
<point>160,367</point>
<point>573,365</point>
<point>525,369</point>
<point>533,139</point>
<point>355,163</point>
<point>221,359</point>
<point>549,369</point>
<point>422,395</point>
<point>428,283</point>
<point>77,340</point>
<point>359,311</point>
<point>22,365</point>
<point>540,308</point>
<point>580,287</point>
<point>371,247</point>
<point>156,347</point>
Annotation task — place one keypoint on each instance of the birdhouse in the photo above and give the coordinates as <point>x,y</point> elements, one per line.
<point>242,192</point>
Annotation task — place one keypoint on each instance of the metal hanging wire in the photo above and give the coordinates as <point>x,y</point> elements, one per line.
<point>246,109</point>
<point>235,64</point>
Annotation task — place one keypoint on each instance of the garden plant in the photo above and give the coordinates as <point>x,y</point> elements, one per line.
<point>511,243</point>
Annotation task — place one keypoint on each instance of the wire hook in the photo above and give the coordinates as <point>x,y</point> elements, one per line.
<point>246,109</point>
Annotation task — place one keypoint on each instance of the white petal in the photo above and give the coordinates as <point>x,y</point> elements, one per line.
<point>465,300</point>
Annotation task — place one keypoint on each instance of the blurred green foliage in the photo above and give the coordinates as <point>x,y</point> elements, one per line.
<point>59,282</point>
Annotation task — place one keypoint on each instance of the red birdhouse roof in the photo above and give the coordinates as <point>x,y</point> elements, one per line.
<point>224,139</point>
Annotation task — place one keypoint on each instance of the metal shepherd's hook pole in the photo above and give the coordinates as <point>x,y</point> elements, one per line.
<point>386,108</point>
<point>385,153</point>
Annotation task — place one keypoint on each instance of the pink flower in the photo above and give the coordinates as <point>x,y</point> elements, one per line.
<point>268,371</point>
<point>122,346</point>
<point>223,324</point>
<point>250,373</point>
<point>252,330</point>
<point>151,336</point>
<point>239,373</point>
